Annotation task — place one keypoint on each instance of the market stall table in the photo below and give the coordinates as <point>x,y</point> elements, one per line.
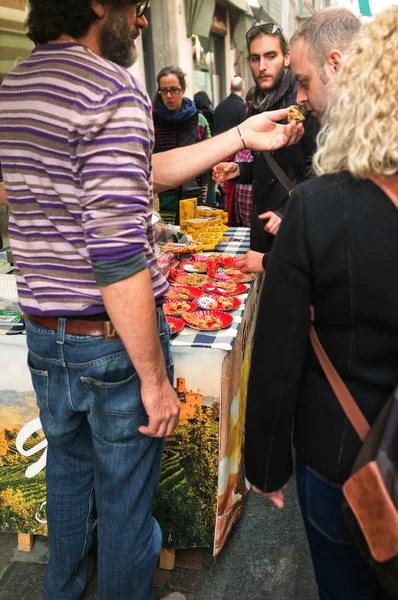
<point>202,484</point>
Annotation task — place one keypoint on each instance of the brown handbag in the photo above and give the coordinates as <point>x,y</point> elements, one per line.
<point>370,510</point>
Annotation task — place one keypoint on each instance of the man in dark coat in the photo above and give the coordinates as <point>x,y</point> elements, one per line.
<point>275,88</point>
<point>231,111</point>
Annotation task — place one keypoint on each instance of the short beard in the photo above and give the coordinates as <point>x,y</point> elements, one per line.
<point>278,80</point>
<point>117,41</point>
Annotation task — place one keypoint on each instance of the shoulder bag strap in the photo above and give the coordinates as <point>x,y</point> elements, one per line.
<point>347,402</point>
<point>278,172</point>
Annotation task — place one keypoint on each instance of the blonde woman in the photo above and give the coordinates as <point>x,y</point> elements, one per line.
<point>337,249</point>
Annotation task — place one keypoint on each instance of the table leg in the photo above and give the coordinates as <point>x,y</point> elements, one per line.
<point>25,542</point>
<point>167,558</point>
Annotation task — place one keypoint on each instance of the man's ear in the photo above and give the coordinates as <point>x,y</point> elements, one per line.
<point>99,8</point>
<point>287,59</point>
<point>333,60</point>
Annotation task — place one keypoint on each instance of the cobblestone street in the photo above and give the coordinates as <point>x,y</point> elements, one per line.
<point>266,558</point>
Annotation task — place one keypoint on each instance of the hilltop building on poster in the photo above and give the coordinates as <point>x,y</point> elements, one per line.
<point>189,400</point>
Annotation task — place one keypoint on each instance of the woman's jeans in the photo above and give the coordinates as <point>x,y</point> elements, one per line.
<point>341,573</point>
<point>88,393</point>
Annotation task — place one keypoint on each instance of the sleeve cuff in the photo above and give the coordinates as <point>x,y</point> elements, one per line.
<point>111,271</point>
<point>265,260</point>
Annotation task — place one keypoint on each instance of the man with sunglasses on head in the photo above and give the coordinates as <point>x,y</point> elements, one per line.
<point>269,59</point>
<point>76,139</point>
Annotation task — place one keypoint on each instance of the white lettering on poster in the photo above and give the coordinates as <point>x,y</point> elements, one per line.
<point>25,433</point>
<point>42,505</point>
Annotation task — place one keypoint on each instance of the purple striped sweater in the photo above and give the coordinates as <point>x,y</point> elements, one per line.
<point>76,139</point>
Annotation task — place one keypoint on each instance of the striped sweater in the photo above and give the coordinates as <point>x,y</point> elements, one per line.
<point>76,140</point>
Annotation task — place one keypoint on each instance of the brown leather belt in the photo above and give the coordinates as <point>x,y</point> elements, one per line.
<point>75,327</point>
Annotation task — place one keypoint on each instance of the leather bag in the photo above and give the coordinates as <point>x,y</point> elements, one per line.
<point>370,509</point>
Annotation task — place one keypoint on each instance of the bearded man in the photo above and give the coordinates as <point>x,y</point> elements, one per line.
<point>269,58</point>
<point>76,142</point>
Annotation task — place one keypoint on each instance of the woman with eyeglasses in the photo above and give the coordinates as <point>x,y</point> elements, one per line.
<point>178,123</point>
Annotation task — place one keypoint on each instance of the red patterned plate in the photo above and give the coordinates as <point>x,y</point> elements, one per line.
<point>218,319</point>
<point>175,324</point>
<point>211,288</point>
<point>228,261</point>
<point>176,307</point>
<point>218,302</point>
<point>193,279</point>
<point>194,266</point>
<point>175,292</point>
<point>244,277</point>
<point>208,256</point>
<point>233,272</point>
<point>176,273</point>
<point>201,258</point>
<point>230,287</point>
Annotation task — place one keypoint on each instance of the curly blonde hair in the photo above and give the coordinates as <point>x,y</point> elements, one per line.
<point>360,126</point>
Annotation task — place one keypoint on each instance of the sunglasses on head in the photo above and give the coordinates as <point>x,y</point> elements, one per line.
<point>267,28</point>
<point>141,7</point>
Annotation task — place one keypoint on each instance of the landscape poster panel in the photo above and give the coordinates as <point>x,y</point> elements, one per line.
<point>22,444</point>
<point>232,485</point>
<point>186,501</point>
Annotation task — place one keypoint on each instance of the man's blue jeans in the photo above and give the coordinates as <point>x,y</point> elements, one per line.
<point>90,406</point>
<point>341,572</point>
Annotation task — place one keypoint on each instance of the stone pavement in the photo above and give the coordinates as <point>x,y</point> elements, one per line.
<point>266,558</point>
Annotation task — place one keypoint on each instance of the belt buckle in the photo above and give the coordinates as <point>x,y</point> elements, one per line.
<point>110,332</point>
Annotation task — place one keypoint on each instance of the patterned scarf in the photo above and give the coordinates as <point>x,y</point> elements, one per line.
<point>188,110</point>
<point>174,129</point>
<point>178,129</point>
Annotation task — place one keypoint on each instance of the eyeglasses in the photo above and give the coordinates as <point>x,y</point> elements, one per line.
<point>141,7</point>
<point>267,28</point>
<point>172,90</point>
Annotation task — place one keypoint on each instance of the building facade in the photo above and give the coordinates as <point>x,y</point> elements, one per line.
<point>206,38</point>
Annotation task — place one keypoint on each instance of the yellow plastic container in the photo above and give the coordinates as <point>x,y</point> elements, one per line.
<point>188,209</point>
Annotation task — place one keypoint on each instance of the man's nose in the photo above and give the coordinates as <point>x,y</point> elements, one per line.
<point>301,97</point>
<point>263,64</point>
<point>141,22</point>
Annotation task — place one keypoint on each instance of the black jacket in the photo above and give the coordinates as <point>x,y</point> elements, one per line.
<point>229,113</point>
<point>268,192</point>
<point>337,248</point>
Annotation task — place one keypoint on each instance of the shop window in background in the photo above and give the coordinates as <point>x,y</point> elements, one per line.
<point>203,63</point>
<point>209,58</point>
<point>219,23</point>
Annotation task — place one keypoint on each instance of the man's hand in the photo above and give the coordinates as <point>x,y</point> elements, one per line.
<point>224,171</point>
<point>261,132</point>
<point>130,302</point>
<point>275,497</point>
<point>162,407</point>
<point>273,222</point>
<point>251,262</point>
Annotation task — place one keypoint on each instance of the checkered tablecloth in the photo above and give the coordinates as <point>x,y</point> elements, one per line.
<point>239,243</point>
